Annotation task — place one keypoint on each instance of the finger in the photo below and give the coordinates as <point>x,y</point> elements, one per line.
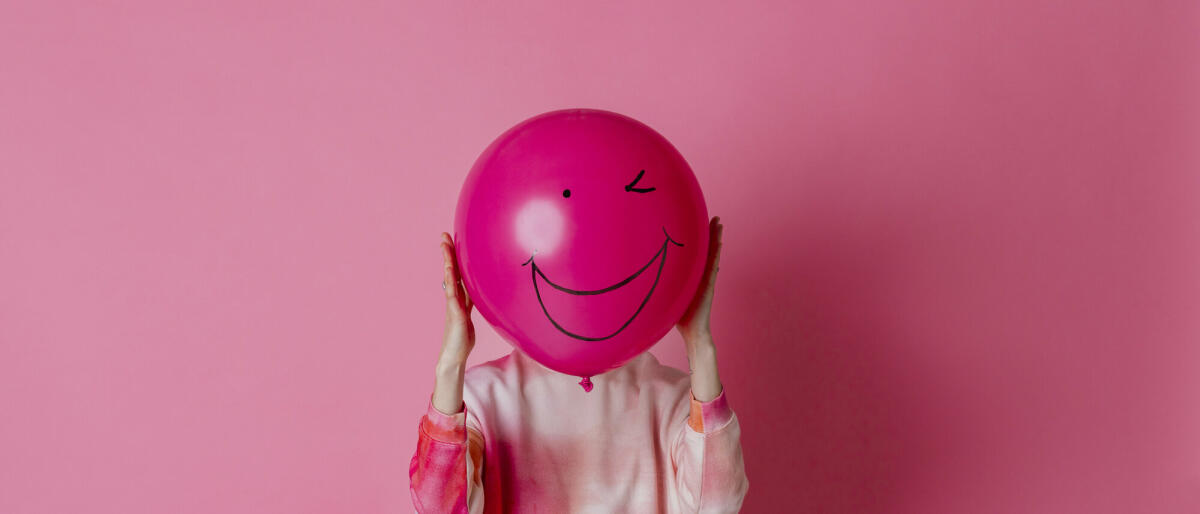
<point>454,303</point>
<point>718,237</point>
<point>467,303</point>
<point>706,278</point>
<point>448,275</point>
<point>715,245</point>
<point>716,266</point>
<point>460,290</point>
<point>712,238</point>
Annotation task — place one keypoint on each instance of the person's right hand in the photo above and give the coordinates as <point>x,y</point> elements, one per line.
<point>459,336</point>
<point>458,339</point>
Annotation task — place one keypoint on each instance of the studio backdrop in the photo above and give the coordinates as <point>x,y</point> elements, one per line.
<point>960,270</point>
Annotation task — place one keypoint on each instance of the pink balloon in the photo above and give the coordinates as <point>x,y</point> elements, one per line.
<point>581,237</point>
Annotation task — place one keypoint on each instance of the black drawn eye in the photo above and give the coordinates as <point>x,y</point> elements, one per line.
<point>630,186</point>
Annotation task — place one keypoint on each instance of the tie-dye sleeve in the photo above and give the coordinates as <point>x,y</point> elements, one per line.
<point>707,454</point>
<point>444,475</point>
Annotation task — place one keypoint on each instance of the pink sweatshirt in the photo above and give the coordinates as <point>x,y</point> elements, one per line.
<point>530,439</point>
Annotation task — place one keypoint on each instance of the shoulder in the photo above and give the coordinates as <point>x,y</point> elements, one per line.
<point>649,370</point>
<point>490,375</point>
<point>671,386</point>
<point>492,382</point>
<point>666,388</point>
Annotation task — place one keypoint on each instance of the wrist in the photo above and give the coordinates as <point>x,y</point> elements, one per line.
<point>702,365</point>
<point>698,340</point>
<point>701,350</point>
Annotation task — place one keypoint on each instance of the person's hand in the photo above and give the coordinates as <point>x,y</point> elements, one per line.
<point>458,339</point>
<point>694,325</point>
<point>459,336</point>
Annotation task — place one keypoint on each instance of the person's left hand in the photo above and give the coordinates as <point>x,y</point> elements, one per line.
<point>694,325</point>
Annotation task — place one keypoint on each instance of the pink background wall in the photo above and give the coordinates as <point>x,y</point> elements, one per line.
<point>960,272</point>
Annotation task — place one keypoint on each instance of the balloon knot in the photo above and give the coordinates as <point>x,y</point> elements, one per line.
<point>586,383</point>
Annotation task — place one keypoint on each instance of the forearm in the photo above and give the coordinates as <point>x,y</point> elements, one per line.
<point>702,359</point>
<point>441,474</point>
<point>438,471</point>
<point>708,458</point>
<point>448,384</point>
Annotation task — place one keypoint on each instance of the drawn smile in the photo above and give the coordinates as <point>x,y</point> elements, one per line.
<point>660,258</point>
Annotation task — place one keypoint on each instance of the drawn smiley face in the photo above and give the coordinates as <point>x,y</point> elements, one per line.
<point>580,235</point>
<point>659,261</point>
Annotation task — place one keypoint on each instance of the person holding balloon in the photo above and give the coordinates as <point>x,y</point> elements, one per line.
<point>582,236</point>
